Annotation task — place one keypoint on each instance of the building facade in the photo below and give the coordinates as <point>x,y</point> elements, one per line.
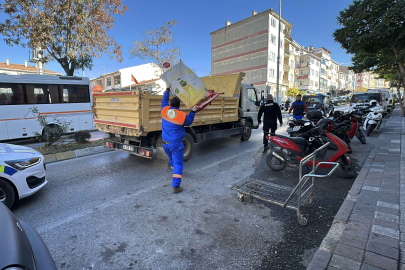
<point>309,72</point>
<point>18,69</point>
<point>250,46</point>
<point>142,77</point>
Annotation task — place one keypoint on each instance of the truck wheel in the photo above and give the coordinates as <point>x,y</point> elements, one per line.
<point>247,131</point>
<point>7,194</point>
<point>188,143</point>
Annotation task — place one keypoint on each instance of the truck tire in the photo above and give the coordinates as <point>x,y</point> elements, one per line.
<point>7,194</point>
<point>247,131</point>
<point>188,143</point>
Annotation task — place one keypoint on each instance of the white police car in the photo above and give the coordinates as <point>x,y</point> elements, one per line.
<point>22,172</point>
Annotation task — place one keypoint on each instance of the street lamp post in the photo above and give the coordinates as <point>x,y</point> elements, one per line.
<point>278,57</point>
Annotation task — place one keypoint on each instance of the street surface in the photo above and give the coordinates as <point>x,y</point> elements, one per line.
<point>116,211</point>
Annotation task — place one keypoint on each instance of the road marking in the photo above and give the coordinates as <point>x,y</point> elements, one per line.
<point>58,223</point>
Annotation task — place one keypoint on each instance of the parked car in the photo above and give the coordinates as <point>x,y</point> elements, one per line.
<point>21,246</point>
<point>22,173</point>
<point>362,99</point>
<point>388,96</point>
<point>319,102</point>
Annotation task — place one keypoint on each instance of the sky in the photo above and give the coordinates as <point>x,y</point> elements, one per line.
<point>314,22</point>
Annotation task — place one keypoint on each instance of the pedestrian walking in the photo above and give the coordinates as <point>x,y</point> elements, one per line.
<point>287,104</point>
<point>173,132</point>
<point>299,108</point>
<point>271,112</point>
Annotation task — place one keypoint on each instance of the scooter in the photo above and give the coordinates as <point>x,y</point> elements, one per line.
<point>374,118</point>
<point>291,150</point>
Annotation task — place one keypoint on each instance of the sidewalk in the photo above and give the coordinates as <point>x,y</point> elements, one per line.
<point>368,232</point>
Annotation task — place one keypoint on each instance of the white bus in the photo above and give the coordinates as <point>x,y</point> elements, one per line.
<point>68,98</point>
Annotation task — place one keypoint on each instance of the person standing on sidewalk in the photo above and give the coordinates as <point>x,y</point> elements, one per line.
<point>173,132</point>
<point>299,108</point>
<point>271,112</point>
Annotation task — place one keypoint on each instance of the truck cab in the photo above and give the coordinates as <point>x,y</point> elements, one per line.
<point>250,103</point>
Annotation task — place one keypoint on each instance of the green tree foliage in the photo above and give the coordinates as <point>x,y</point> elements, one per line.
<point>72,32</point>
<point>360,89</point>
<point>292,92</point>
<point>374,32</point>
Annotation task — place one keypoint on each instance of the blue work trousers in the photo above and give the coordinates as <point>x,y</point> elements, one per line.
<point>298,117</point>
<point>175,151</point>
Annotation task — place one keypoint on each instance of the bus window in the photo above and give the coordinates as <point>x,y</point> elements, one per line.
<point>11,94</point>
<point>37,94</point>
<point>55,96</point>
<point>76,93</point>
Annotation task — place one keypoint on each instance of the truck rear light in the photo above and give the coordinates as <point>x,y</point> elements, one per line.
<point>145,153</point>
<point>109,144</point>
<point>323,106</point>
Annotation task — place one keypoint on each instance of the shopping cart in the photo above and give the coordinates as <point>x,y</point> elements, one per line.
<point>287,197</point>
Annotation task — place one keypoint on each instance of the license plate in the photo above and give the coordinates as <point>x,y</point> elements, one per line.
<point>127,147</point>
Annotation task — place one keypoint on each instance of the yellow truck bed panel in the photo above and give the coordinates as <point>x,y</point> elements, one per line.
<point>134,114</point>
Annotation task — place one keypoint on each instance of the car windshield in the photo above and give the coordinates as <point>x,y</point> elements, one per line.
<point>366,97</point>
<point>312,99</point>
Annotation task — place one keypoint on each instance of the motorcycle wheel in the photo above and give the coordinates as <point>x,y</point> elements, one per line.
<point>360,136</point>
<point>348,170</point>
<point>370,128</point>
<point>347,141</point>
<point>274,163</point>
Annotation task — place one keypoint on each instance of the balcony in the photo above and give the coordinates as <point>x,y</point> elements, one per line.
<point>297,72</point>
<point>303,77</point>
<point>286,82</point>
<point>287,53</point>
<point>303,87</point>
<point>286,67</point>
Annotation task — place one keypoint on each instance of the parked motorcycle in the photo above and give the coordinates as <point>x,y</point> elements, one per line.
<point>298,127</point>
<point>374,118</point>
<point>291,150</point>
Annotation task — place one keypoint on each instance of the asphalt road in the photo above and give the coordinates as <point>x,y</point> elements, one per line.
<point>116,211</point>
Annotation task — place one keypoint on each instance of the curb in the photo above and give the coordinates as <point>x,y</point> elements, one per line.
<point>323,255</point>
<point>76,153</point>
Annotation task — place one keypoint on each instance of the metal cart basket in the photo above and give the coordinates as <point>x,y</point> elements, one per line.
<point>287,197</point>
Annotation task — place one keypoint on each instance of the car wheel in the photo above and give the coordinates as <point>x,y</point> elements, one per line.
<point>7,194</point>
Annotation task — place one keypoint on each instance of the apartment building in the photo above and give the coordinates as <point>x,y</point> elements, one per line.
<point>309,71</point>
<point>17,69</point>
<point>325,80</point>
<point>250,46</point>
<point>142,77</point>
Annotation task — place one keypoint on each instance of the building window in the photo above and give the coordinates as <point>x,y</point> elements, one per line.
<point>312,72</point>
<point>301,61</point>
<point>281,43</point>
<point>323,61</point>
<point>322,71</point>
<point>273,39</point>
<point>317,63</point>
<point>108,81</point>
<point>292,64</point>
<point>312,61</point>
<point>291,77</point>
<point>272,56</point>
<point>301,83</point>
<point>302,72</point>
<point>316,84</point>
<point>271,73</point>
<point>316,73</point>
<point>273,22</point>
<point>117,80</point>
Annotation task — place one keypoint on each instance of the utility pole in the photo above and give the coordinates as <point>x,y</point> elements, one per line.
<point>278,57</point>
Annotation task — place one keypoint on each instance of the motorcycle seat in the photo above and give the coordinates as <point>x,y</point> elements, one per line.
<point>297,140</point>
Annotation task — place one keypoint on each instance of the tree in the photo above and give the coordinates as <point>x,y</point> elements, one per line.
<point>373,30</point>
<point>155,47</point>
<point>360,89</point>
<point>72,32</point>
<point>292,92</point>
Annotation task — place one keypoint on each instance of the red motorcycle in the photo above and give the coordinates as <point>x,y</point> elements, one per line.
<point>291,150</point>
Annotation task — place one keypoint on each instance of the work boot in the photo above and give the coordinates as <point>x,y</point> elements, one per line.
<point>177,190</point>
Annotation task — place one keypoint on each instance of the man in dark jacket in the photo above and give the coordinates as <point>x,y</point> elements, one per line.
<point>271,112</point>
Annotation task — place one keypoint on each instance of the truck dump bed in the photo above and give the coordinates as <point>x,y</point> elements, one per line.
<point>133,113</point>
